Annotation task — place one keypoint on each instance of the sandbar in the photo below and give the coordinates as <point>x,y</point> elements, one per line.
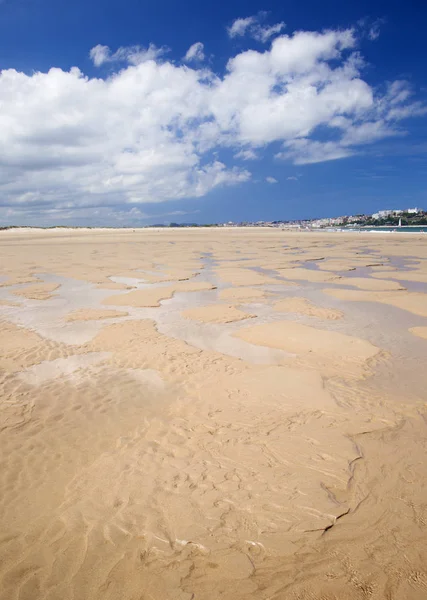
<point>329,351</point>
<point>419,331</point>
<point>302,274</point>
<point>303,306</point>
<point>242,294</point>
<point>413,302</point>
<point>38,291</point>
<point>217,313</point>
<point>94,314</point>
<point>153,297</point>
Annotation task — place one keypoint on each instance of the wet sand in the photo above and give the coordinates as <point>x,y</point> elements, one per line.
<point>204,414</point>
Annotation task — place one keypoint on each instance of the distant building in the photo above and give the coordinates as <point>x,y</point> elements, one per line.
<point>413,211</point>
<point>382,214</point>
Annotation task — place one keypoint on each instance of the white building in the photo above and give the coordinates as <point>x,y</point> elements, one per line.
<point>382,214</point>
<point>413,211</point>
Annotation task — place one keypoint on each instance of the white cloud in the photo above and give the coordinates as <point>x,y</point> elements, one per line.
<point>263,34</point>
<point>246,155</point>
<point>252,26</point>
<point>374,32</point>
<point>154,130</point>
<point>374,29</point>
<point>133,55</point>
<point>100,54</point>
<point>370,28</point>
<point>304,151</point>
<point>271,180</point>
<point>239,27</point>
<point>195,53</point>
<point>292,178</point>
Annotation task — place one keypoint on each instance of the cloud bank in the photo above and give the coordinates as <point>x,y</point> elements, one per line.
<point>149,130</point>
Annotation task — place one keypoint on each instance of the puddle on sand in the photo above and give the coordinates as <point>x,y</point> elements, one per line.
<point>411,286</point>
<point>47,317</point>
<point>385,328</point>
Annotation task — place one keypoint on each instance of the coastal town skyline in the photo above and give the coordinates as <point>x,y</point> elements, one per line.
<point>408,217</point>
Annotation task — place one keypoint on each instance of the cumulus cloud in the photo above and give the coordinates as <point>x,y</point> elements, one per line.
<point>271,180</point>
<point>100,54</point>
<point>253,26</point>
<point>292,178</point>
<point>133,55</point>
<point>153,130</point>
<point>239,27</point>
<point>263,34</point>
<point>195,53</point>
<point>246,155</point>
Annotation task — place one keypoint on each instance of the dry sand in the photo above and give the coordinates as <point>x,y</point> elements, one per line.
<point>303,306</point>
<point>306,275</point>
<point>415,275</point>
<point>8,303</point>
<point>419,331</point>
<point>329,352</point>
<point>365,283</point>
<point>39,291</point>
<point>240,276</point>
<point>91,314</point>
<point>153,297</point>
<point>147,462</point>
<point>241,294</point>
<point>413,302</point>
<point>217,313</point>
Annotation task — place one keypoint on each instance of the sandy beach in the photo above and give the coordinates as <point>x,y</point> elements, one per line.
<point>212,413</point>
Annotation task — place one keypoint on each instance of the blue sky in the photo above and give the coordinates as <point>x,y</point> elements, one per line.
<point>132,113</point>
